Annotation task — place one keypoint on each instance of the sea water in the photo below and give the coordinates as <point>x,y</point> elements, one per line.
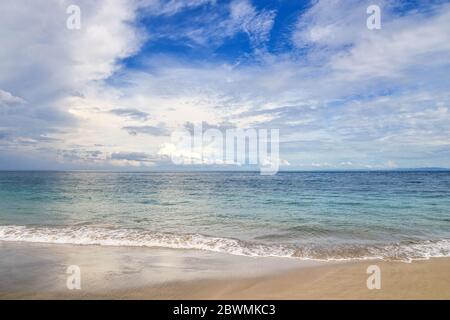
<point>304,215</point>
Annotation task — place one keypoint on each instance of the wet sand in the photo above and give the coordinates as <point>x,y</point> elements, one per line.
<point>418,280</point>
<point>37,271</point>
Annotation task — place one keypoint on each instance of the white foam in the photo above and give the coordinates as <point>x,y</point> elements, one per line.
<point>136,238</point>
<point>141,238</point>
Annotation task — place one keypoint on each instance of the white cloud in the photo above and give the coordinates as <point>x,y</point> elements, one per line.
<point>47,65</point>
<point>6,98</point>
<point>171,7</point>
<point>331,24</point>
<point>400,47</point>
<point>336,33</point>
<point>257,25</point>
<point>377,98</point>
<point>213,28</point>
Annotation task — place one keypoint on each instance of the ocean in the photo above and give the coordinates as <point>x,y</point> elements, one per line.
<point>301,215</point>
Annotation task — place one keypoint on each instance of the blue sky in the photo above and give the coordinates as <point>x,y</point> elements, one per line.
<point>108,96</point>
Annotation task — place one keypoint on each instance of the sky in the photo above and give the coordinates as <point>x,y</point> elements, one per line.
<point>108,96</point>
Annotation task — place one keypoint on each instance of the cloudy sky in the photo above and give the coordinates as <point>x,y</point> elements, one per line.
<point>108,96</point>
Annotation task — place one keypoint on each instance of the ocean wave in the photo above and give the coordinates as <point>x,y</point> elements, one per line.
<point>83,235</point>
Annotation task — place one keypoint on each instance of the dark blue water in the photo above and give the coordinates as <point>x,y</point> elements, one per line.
<point>326,215</point>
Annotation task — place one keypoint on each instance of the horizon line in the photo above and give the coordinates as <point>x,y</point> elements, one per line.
<point>422,169</point>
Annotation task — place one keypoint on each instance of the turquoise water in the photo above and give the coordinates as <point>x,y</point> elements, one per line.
<point>321,215</point>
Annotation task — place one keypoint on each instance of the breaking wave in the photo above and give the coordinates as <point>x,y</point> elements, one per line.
<point>403,251</point>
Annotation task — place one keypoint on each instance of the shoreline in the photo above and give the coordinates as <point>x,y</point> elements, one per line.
<point>128,237</point>
<point>38,271</point>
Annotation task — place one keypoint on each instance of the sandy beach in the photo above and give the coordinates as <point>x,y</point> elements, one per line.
<point>225,150</point>
<point>37,271</point>
<point>418,280</point>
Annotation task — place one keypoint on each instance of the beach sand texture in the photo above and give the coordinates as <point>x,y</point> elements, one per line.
<point>34,271</point>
